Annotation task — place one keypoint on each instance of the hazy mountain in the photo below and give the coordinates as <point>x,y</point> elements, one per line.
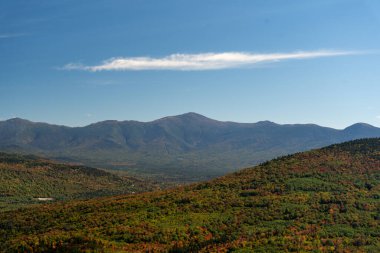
<point>184,147</point>
<point>325,200</point>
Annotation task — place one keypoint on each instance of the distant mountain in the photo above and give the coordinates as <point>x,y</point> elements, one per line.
<point>185,147</point>
<point>27,180</point>
<point>325,200</point>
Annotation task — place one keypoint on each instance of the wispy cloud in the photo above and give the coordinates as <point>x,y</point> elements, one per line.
<point>11,35</point>
<point>204,61</point>
<point>378,116</point>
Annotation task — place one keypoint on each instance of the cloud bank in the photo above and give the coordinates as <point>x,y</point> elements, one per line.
<point>204,61</point>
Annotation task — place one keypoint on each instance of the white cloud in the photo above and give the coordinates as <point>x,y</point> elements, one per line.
<point>378,117</point>
<point>204,61</point>
<point>11,35</point>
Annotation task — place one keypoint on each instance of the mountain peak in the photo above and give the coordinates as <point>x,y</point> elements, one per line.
<point>265,123</point>
<point>192,116</point>
<point>18,121</point>
<point>359,126</point>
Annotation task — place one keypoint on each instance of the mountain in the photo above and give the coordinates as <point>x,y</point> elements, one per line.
<point>325,200</point>
<point>27,180</point>
<point>187,147</point>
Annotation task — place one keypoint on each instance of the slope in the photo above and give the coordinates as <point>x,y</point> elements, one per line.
<point>325,200</point>
<point>25,179</point>
<point>188,147</point>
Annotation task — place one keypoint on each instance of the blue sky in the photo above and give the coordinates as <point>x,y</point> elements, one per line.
<point>74,62</point>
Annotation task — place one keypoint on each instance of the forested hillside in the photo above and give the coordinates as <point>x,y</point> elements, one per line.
<point>26,180</point>
<point>325,200</point>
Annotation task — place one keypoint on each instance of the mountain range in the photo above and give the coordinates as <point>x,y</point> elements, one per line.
<point>188,147</point>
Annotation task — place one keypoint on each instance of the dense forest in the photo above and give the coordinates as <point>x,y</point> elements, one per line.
<point>28,180</point>
<point>325,200</point>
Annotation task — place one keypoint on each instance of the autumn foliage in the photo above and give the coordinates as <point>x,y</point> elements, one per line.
<point>325,200</point>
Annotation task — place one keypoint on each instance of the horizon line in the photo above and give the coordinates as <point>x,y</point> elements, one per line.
<point>178,115</point>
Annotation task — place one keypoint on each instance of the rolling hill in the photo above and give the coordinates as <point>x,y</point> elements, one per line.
<point>27,180</point>
<point>325,200</point>
<point>188,147</point>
